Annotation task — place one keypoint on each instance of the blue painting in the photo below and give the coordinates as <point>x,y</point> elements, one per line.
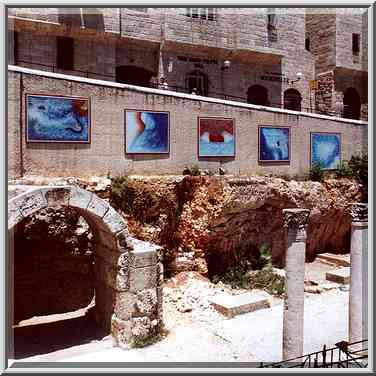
<point>274,144</point>
<point>146,132</point>
<point>326,150</point>
<point>57,119</point>
<point>216,137</point>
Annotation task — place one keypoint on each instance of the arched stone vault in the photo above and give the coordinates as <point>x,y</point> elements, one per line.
<point>128,272</point>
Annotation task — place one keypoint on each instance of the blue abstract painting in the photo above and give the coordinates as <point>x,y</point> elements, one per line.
<point>326,150</point>
<point>146,132</point>
<point>274,144</point>
<point>216,137</point>
<point>57,119</point>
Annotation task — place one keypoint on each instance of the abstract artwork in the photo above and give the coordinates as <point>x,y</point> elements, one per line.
<point>216,137</point>
<point>326,150</point>
<point>274,144</point>
<point>146,132</point>
<point>57,119</point>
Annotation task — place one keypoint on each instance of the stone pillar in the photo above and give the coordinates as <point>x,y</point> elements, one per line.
<point>358,278</point>
<point>293,313</point>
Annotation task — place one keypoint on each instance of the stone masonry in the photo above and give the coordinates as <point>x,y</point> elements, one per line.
<point>128,271</point>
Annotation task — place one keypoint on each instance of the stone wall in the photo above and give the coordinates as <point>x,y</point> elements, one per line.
<point>106,154</point>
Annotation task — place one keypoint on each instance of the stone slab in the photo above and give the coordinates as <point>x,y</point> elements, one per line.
<point>232,305</point>
<point>341,275</point>
<point>339,260</point>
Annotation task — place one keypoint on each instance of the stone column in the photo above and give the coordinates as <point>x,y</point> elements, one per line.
<point>358,278</point>
<point>293,313</point>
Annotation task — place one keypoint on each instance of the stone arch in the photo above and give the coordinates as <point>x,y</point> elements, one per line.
<point>292,100</point>
<point>351,104</point>
<point>128,271</point>
<point>258,94</point>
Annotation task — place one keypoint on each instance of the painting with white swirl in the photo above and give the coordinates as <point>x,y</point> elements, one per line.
<point>57,119</point>
<point>326,150</point>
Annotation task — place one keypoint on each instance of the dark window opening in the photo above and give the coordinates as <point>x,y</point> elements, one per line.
<point>272,25</point>
<point>257,94</point>
<point>351,104</point>
<point>292,100</point>
<point>65,53</point>
<point>355,44</point>
<point>133,75</point>
<point>15,47</point>
<point>197,83</point>
<point>202,13</point>
<point>307,44</point>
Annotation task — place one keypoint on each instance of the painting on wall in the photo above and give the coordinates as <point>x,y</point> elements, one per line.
<point>274,144</point>
<point>216,137</point>
<point>147,132</point>
<point>57,119</point>
<point>326,150</point>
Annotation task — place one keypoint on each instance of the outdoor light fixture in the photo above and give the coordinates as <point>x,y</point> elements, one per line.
<point>299,75</point>
<point>226,64</point>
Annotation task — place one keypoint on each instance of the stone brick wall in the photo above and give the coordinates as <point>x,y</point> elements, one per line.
<point>106,152</point>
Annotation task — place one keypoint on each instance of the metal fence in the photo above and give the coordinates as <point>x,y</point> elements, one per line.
<point>343,355</point>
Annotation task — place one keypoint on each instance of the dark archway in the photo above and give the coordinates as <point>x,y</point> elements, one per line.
<point>127,74</point>
<point>197,82</point>
<point>351,104</point>
<point>292,100</point>
<point>258,94</point>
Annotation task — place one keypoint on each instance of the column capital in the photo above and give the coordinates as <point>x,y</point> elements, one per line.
<point>359,212</point>
<point>295,218</point>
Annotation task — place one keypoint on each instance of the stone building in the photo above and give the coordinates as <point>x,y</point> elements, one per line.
<point>265,56</point>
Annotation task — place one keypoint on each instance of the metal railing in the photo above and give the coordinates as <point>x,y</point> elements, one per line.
<point>344,355</point>
<point>178,89</point>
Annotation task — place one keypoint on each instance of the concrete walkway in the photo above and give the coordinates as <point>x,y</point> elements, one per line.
<point>251,337</point>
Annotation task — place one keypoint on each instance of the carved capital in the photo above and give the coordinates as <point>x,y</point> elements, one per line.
<point>295,218</point>
<point>359,212</point>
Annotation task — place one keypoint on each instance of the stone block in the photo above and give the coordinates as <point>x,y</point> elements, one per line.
<point>14,214</point>
<point>114,221</point>
<point>121,331</point>
<point>31,202</point>
<point>56,196</point>
<point>147,302</point>
<point>142,278</point>
<point>232,305</point>
<point>144,253</point>
<point>339,260</point>
<point>341,275</point>
<point>125,305</point>
<point>98,206</point>
<point>79,198</point>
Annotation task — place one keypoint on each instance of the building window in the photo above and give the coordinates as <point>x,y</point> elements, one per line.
<point>307,44</point>
<point>197,83</point>
<point>355,44</point>
<point>258,94</point>
<point>203,13</point>
<point>272,25</point>
<point>65,53</point>
<point>292,100</point>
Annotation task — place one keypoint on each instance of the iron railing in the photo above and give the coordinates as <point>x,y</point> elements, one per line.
<point>344,355</point>
<point>178,89</point>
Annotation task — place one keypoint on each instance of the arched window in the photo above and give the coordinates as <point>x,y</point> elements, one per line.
<point>133,75</point>
<point>292,100</point>
<point>197,82</point>
<point>351,104</point>
<point>257,94</point>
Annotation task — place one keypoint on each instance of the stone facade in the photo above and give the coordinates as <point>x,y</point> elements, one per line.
<point>106,155</point>
<point>339,64</point>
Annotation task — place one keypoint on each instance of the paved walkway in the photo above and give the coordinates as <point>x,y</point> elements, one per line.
<point>251,337</point>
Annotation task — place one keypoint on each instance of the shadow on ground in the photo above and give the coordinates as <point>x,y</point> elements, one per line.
<point>44,338</point>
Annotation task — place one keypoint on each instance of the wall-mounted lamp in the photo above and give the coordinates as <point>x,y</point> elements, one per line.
<point>299,76</point>
<point>226,65</point>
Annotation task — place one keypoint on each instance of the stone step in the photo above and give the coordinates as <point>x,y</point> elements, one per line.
<point>339,260</point>
<point>232,305</point>
<point>341,275</point>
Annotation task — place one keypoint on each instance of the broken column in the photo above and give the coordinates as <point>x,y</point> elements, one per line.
<point>293,313</point>
<point>358,278</point>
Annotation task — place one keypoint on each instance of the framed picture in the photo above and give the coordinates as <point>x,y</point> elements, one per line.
<point>147,132</point>
<point>274,144</point>
<point>216,137</point>
<point>326,149</point>
<point>57,118</point>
